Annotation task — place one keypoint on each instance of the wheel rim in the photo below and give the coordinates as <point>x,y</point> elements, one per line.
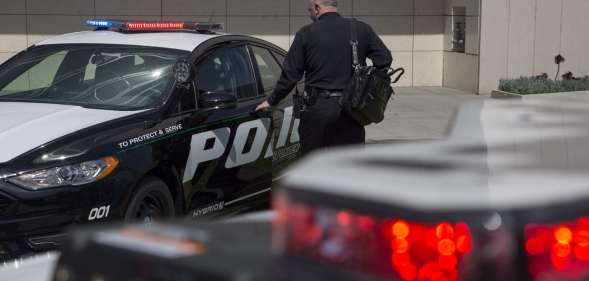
<point>152,207</point>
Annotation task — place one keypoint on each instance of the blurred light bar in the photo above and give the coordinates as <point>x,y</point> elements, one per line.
<point>558,251</point>
<point>393,248</point>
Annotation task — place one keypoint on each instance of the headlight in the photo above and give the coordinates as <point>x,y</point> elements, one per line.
<point>78,174</point>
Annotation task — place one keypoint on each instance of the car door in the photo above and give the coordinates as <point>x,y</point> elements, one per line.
<point>285,143</point>
<point>229,159</point>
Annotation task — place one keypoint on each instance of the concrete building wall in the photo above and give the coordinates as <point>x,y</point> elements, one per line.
<point>522,37</point>
<point>412,29</point>
<point>461,69</point>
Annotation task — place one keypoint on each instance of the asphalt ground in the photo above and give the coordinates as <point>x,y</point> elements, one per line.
<point>421,113</point>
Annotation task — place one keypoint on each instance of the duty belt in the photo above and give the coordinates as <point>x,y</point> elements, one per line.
<point>321,93</point>
<point>329,94</point>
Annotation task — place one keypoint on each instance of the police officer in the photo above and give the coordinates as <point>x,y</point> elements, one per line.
<point>322,53</point>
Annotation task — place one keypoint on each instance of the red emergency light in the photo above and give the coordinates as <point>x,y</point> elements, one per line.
<point>155,25</point>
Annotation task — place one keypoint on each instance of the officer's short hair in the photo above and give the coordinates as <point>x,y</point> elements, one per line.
<point>328,3</point>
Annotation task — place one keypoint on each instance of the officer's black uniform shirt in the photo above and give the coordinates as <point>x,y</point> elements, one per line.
<point>322,53</point>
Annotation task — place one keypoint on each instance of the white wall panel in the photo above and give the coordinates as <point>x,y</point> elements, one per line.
<point>494,43</point>
<point>67,7</point>
<point>575,41</point>
<point>521,38</point>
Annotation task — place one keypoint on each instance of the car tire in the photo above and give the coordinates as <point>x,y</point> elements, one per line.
<point>151,201</point>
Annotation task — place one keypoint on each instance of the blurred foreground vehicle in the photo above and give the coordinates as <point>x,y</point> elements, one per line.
<point>503,198</point>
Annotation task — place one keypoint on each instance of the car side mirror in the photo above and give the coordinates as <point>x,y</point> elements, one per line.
<point>217,100</point>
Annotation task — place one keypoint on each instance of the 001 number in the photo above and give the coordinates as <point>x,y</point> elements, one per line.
<point>99,213</point>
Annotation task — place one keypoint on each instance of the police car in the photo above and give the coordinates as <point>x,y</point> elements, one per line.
<point>136,121</point>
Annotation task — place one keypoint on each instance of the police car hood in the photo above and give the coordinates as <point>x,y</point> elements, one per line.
<point>25,126</point>
<point>498,155</point>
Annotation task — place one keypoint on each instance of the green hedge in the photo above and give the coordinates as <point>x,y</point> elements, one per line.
<point>530,85</point>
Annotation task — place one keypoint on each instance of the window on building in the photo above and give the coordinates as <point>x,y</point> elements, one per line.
<point>459,29</point>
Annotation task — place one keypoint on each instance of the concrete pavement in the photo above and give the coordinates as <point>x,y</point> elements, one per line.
<point>418,113</point>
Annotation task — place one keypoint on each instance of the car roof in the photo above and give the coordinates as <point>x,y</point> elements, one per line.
<point>186,41</point>
<point>499,156</point>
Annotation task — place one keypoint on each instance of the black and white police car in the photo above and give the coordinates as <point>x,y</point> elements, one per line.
<point>134,121</point>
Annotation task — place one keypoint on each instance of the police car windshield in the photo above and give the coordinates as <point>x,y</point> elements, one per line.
<point>96,76</point>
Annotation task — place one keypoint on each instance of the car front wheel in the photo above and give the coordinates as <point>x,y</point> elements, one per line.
<point>151,201</point>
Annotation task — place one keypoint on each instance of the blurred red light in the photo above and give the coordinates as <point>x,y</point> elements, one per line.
<point>448,262</point>
<point>401,229</point>
<point>400,246</point>
<point>561,250</point>
<point>401,259</point>
<point>430,238</point>
<point>344,218</point>
<point>564,235</point>
<point>390,248</point>
<point>582,238</point>
<point>433,272</point>
<point>560,263</point>
<point>558,252</point>
<point>408,272</point>
<point>446,247</point>
<point>535,246</point>
<point>582,253</point>
<point>445,230</point>
<point>464,244</point>
<point>365,223</point>
<point>583,223</point>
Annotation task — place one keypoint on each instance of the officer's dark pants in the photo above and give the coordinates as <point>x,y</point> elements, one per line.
<point>324,124</point>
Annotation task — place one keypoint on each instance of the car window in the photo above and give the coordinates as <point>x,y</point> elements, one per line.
<point>269,68</point>
<point>186,98</point>
<point>101,76</point>
<point>42,74</point>
<point>227,70</point>
<point>279,57</point>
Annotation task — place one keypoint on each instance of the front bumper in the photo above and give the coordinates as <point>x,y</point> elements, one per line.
<point>37,220</point>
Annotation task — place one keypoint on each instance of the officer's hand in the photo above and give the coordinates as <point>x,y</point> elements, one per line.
<point>263,106</point>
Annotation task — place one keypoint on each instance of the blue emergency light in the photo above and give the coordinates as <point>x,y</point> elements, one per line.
<point>99,23</point>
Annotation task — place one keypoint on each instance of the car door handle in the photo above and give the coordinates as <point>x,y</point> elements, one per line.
<point>265,113</point>
<point>261,113</point>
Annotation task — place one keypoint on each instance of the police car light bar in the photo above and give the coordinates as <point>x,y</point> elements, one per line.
<point>137,26</point>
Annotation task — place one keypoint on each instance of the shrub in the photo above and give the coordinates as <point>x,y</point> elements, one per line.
<point>531,85</point>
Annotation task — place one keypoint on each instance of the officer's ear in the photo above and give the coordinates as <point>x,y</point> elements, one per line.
<point>317,8</point>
